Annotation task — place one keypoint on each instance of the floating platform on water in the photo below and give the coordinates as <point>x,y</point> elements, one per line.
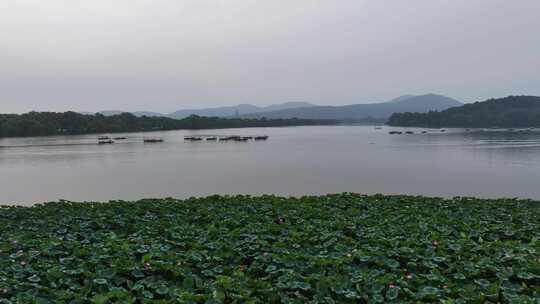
<point>239,138</point>
<point>153,140</point>
<point>193,138</point>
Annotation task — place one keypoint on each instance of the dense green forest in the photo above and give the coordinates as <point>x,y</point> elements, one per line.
<point>50,123</point>
<point>512,111</point>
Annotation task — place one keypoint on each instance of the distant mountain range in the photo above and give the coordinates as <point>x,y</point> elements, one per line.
<point>361,112</point>
<point>355,112</point>
<point>138,113</point>
<point>240,109</point>
<point>228,111</point>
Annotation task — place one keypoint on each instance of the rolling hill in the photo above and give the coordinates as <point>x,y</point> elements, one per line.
<point>138,113</point>
<point>373,112</point>
<point>364,112</point>
<point>511,111</point>
<point>227,111</point>
<point>240,109</point>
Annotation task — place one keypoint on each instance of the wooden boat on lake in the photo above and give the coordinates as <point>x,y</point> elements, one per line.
<point>227,138</point>
<point>120,138</point>
<point>103,137</point>
<point>263,137</point>
<point>153,140</point>
<point>211,138</point>
<point>105,142</point>
<point>395,132</point>
<point>409,132</point>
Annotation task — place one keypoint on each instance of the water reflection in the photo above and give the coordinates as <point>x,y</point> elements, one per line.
<point>300,160</point>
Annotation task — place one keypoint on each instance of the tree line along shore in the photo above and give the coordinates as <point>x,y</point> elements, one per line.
<point>508,112</point>
<point>71,123</point>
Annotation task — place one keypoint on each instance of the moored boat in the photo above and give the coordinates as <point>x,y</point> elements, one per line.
<point>105,142</point>
<point>263,137</point>
<point>153,140</point>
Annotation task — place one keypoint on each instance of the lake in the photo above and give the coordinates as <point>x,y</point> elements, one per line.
<point>293,161</point>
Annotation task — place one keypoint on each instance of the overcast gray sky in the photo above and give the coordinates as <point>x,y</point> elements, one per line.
<point>164,55</point>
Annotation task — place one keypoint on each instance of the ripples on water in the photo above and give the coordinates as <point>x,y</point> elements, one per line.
<point>294,161</point>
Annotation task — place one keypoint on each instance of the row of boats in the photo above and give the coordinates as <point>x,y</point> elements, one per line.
<point>409,132</point>
<point>226,138</point>
<point>466,130</point>
<point>106,140</point>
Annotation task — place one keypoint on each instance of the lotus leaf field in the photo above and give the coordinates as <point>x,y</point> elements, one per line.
<point>341,248</point>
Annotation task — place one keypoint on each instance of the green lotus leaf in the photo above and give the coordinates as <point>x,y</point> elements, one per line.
<point>339,248</point>
<point>100,281</point>
<point>34,279</point>
<point>162,290</point>
<point>392,294</point>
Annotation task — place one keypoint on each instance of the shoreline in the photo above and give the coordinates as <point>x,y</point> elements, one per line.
<point>275,195</point>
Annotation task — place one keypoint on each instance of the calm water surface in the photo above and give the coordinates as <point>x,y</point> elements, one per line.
<point>294,161</point>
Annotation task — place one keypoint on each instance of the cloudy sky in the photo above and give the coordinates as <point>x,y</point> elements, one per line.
<point>164,55</point>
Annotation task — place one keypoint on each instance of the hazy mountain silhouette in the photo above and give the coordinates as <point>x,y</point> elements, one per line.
<point>360,112</point>
<point>240,109</point>
<point>138,113</point>
<point>217,111</point>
